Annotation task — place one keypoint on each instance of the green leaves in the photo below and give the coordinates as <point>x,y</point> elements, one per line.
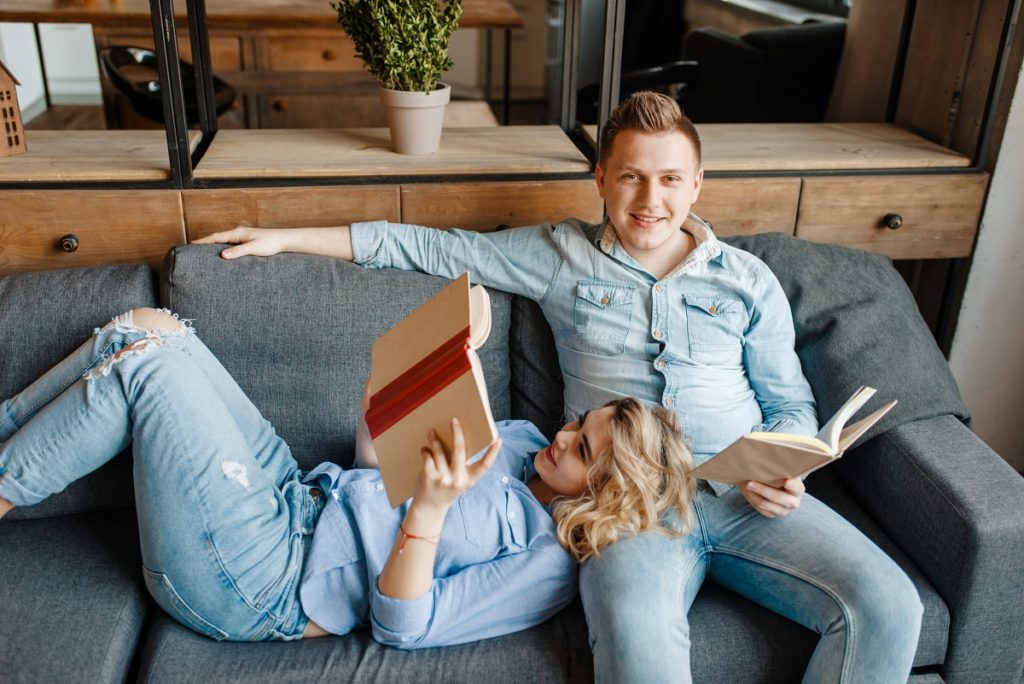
<point>404,43</point>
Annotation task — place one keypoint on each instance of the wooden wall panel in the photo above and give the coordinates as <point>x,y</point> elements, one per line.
<point>210,211</point>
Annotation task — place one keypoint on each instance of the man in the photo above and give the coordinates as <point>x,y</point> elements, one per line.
<point>650,304</point>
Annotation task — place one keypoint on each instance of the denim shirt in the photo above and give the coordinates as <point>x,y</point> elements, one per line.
<point>712,340</point>
<point>499,566</point>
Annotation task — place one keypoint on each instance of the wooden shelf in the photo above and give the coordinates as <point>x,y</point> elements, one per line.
<point>362,152</point>
<point>816,147</point>
<point>90,156</point>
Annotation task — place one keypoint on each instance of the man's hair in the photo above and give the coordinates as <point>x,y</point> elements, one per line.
<point>643,474</point>
<point>647,112</point>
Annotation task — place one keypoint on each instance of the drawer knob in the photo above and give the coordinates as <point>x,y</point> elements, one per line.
<point>892,221</point>
<point>280,105</point>
<point>68,243</point>
<point>329,55</point>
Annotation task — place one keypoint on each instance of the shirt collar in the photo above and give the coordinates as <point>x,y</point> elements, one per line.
<point>707,249</point>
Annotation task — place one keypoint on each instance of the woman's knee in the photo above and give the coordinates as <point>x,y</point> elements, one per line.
<point>156,320</point>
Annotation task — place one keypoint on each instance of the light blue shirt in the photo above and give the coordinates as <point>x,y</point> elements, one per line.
<point>499,566</point>
<point>712,340</point>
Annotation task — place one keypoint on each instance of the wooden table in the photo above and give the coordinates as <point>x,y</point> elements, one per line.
<point>290,62</point>
<point>487,14</point>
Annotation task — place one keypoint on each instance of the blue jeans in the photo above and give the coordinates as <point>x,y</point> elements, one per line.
<point>224,519</point>
<point>810,566</point>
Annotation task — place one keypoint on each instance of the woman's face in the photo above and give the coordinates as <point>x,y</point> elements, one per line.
<point>563,465</point>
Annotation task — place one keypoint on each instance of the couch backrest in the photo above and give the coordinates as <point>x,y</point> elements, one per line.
<point>296,331</point>
<point>45,316</point>
<point>856,324</point>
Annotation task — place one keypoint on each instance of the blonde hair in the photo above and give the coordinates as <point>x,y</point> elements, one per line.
<point>632,484</point>
<point>647,112</point>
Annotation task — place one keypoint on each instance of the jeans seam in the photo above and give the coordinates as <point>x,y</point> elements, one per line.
<point>813,581</point>
<point>19,421</point>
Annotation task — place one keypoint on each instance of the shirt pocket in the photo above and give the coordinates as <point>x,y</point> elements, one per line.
<point>602,316</point>
<point>715,327</point>
<point>492,519</point>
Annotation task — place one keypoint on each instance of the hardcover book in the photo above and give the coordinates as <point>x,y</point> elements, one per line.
<point>423,372</point>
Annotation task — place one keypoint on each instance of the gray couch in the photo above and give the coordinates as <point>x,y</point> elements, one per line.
<point>296,332</point>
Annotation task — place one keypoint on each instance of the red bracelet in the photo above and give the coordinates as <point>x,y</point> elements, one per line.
<point>406,537</point>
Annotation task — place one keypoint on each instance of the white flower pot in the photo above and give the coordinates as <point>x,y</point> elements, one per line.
<point>415,118</point>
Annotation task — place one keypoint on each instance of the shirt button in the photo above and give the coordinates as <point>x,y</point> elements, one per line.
<point>712,309</point>
<point>504,479</point>
<point>661,363</point>
<point>605,300</point>
<point>379,486</point>
<point>668,402</point>
<point>659,287</point>
<point>657,333</point>
<point>511,515</point>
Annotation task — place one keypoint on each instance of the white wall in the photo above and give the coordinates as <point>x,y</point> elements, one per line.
<point>71,68</point>
<point>18,52</point>
<point>987,355</point>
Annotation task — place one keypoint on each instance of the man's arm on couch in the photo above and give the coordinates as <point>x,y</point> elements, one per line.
<point>957,509</point>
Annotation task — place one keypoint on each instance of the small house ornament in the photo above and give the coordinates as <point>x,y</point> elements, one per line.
<point>12,134</point>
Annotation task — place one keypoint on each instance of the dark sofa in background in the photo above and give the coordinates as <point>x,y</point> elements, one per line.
<point>296,331</point>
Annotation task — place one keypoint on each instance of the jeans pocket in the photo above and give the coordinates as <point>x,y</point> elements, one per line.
<point>165,595</point>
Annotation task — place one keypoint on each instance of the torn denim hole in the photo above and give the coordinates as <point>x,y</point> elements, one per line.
<point>124,324</point>
<point>236,472</point>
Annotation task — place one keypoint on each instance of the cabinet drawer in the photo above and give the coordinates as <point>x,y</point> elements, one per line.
<point>749,205</point>
<point>327,52</point>
<point>209,211</point>
<point>225,50</point>
<point>938,213</point>
<point>323,111</point>
<point>486,206</point>
<point>110,226</point>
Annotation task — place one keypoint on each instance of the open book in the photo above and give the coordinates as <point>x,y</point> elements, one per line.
<point>772,457</point>
<point>424,372</point>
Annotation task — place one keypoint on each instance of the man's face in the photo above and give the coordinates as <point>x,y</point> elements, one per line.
<point>648,183</point>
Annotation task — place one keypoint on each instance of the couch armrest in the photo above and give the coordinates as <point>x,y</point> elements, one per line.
<point>957,509</point>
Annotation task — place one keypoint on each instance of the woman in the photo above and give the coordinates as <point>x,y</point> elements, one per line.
<point>238,544</point>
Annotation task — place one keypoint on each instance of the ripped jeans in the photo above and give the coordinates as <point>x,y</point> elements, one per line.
<point>224,519</point>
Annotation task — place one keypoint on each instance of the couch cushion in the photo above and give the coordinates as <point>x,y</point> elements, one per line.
<point>555,651</point>
<point>296,331</point>
<point>72,599</point>
<point>857,324</point>
<point>45,316</point>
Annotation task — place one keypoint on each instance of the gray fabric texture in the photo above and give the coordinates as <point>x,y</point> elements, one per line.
<point>72,601</point>
<point>555,651</point>
<point>45,316</point>
<point>857,324</point>
<point>295,331</point>
<point>954,506</point>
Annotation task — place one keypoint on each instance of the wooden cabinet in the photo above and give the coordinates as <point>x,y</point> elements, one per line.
<point>744,206</point>
<point>209,211</point>
<point>44,229</point>
<point>489,206</point>
<point>905,217</point>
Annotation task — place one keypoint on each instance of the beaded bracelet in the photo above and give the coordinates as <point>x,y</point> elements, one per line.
<point>434,539</point>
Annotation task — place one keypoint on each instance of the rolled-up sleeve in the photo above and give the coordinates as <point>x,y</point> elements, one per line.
<point>508,594</point>
<point>519,260</point>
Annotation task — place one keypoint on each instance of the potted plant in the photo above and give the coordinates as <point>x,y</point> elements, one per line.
<point>404,44</point>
